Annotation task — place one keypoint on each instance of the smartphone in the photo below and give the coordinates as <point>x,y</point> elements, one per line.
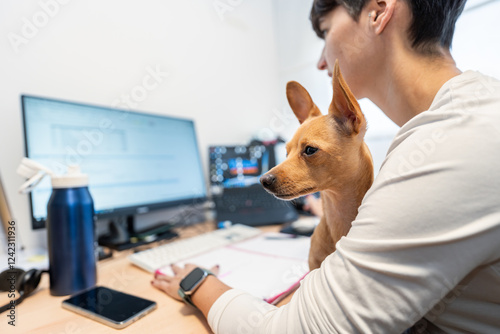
<point>110,307</point>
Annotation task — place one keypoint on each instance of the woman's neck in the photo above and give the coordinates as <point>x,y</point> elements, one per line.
<point>408,84</point>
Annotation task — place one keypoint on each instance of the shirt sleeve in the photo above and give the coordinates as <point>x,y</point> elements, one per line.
<point>421,229</point>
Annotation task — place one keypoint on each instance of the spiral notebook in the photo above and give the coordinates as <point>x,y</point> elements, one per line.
<point>269,266</point>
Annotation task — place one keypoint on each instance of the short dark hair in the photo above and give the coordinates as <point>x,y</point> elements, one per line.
<point>433,21</point>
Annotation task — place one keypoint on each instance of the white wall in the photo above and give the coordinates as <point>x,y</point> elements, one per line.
<point>476,45</point>
<point>221,64</point>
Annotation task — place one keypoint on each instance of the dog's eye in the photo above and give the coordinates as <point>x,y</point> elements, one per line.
<point>310,150</point>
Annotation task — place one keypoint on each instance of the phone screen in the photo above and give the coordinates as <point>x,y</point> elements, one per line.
<point>109,306</point>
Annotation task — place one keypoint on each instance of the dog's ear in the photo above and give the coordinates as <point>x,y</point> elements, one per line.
<point>344,107</point>
<point>300,101</point>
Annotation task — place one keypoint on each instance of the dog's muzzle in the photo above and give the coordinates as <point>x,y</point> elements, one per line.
<point>268,181</point>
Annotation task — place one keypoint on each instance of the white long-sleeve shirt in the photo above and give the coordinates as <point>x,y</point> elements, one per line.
<point>426,241</point>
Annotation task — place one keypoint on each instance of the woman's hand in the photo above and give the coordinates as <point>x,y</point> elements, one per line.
<point>170,284</point>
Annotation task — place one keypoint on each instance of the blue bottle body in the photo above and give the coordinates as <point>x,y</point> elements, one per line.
<point>71,241</point>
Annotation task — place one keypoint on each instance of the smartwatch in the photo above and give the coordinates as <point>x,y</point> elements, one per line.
<point>191,283</point>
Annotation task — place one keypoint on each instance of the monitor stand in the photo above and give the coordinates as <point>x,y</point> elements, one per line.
<point>123,235</point>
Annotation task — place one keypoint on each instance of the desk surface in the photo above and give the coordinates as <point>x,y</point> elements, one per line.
<point>42,313</point>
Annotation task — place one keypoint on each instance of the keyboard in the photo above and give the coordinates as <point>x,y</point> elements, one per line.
<point>173,252</point>
<point>252,206</point>
<point>249,198</point>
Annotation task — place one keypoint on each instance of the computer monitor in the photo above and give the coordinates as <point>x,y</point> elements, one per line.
<point>136,162</point>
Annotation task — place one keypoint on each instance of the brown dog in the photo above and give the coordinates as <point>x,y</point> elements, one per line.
<point>327,154</point>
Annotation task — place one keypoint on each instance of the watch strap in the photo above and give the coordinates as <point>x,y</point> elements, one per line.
<point>186,297</point>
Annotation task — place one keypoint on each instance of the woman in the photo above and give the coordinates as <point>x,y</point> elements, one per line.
<point>423,251</point>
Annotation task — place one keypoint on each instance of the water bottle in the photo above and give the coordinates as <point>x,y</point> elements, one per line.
<point>71,234</point>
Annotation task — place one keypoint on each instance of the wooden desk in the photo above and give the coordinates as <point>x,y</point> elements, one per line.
<point>42,313</point>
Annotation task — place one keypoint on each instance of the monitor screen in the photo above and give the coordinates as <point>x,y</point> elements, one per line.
<point>136,162</point>
<point>237,166</point>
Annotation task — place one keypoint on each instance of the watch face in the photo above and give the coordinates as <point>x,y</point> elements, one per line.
<point>192,280</point>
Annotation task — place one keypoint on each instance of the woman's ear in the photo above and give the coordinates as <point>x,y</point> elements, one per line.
<point>381,14</point>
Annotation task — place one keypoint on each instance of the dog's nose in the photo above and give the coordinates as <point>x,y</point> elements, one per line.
<point>267,180</point>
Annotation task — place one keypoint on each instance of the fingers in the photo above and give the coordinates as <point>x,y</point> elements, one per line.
<point>181,272</point>
<point>160,284</point>
<point>170,288</point>
<point>189,267</point>
<point>165,278</point>
<point>176,269</point>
